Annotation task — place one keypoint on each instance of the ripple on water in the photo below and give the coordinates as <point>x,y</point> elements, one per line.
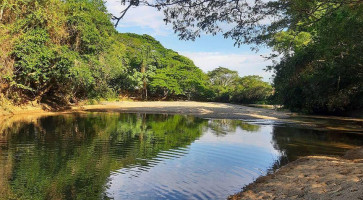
<point>201,171</point>
<point>138,156</point>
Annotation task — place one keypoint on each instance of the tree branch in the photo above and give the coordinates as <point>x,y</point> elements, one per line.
<point>122,15</point>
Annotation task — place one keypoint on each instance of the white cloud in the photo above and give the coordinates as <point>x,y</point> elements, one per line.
<point>141,17</point>
<point>146,18</point>
<point>151,18</point>
<point>244,64</point>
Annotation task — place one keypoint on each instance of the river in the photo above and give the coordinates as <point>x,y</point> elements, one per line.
<point>150,156</point>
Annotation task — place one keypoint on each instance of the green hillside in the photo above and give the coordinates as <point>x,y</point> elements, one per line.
<point>60,52</point>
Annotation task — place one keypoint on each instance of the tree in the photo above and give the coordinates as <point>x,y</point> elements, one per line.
<point>223,82</point>
<point>318,42</point>
<point>229,87</point>
<point>251,89</point>
<point>326,75</point>
<point>167,73</point>
<point>222,76</point>
<point>59,52</point>
<point>56,49</point>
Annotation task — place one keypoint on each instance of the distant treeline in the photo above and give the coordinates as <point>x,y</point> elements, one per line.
<point>60,52</point>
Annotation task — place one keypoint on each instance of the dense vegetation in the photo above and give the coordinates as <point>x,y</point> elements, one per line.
<point>227,86</point>
<point>321,70</point>
<point>70,50</point>
<point>318,44</point>
<point>60,52</point>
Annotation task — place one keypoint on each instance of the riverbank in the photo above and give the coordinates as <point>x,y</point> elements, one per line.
<point>301,179</point>
<point>312,177</point>
<point>200,109</point>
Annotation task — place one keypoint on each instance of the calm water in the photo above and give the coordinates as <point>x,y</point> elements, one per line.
<point>138,156</point>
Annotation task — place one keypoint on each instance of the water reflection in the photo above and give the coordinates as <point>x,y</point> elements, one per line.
<point>296,142</point>
<point>138,156</point>
<point>227,126</point>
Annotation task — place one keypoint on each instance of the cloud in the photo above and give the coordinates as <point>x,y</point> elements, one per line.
<point>148,20</point>
<point>141,17</point>
<point>151,19</point>
<point>244,64</point>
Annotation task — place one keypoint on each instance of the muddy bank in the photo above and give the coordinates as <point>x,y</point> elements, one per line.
<point>313,177</point>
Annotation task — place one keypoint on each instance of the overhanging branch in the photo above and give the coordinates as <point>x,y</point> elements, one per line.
<point>122,15</point>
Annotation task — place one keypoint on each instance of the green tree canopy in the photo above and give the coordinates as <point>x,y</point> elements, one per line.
<point>59,52</point>
<point>317,44</point>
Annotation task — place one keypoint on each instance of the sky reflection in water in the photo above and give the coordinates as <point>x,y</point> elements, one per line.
<point>139,156</point>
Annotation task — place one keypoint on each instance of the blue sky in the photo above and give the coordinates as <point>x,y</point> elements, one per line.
<point>208,52</point>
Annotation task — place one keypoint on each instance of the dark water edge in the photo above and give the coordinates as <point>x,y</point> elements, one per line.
<point>145,156</point>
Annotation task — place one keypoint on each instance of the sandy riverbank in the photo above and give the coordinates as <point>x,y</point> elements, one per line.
<point>313,177</point>
<point>307,178</point>
<point>201,109</point>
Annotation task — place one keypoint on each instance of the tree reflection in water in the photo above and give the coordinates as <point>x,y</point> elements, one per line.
<point>73,156</point>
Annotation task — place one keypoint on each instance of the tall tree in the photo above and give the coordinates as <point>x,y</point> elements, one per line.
<point>223,76</point>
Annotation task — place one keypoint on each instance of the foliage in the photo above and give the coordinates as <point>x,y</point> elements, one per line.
<point>325,76</point>
<point>57,49</point>
<point>222,76</point>
<point>39,65</point>
<point>250,21</point>
<point>229,87</point>
<point>223,81</point>
<point>251,89</point>
<point>319,43</point>
<point>166,73</point>
<point>59,52</point>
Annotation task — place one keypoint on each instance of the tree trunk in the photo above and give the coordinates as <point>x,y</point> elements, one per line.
<point>144,89</point>
<point>166,92</point>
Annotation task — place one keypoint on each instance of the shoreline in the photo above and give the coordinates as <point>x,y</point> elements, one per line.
<point>311,177</point>
<point>208,110</point>
<point>300,174</point>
